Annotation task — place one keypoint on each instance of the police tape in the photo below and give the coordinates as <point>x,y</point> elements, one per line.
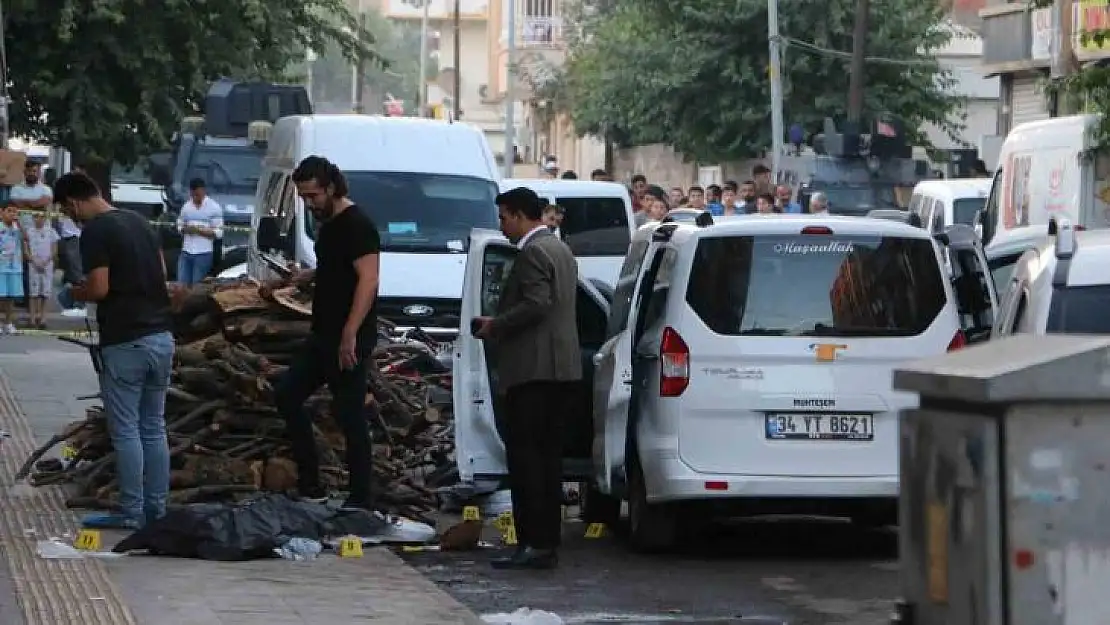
<point>70,334</point>
<point>153,222</point>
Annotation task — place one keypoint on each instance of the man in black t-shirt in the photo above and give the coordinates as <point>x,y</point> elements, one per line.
<point>126,276</point>
<point>344,331</point>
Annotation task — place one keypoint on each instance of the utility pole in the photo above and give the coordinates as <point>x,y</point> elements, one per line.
<point>422,88</point>
<point>457,99</point>
<point>510,93</point>
<point>358,70</point>
<point>859,54</point>
<point>1063,52</point>
<point>4,99</point>
<point>777,130</point>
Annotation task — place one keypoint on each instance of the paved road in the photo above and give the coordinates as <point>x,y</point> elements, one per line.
<point>766,572</point>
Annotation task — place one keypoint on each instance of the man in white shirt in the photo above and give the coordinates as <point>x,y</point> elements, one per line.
<point>30,196</point>
<point>201,222</point>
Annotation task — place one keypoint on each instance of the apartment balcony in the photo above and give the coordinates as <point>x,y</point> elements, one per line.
<point>438,10</point>
<point>540,32</point>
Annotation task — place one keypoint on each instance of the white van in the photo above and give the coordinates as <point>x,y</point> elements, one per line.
<point>1049,169</point>
<point>942,203</point>
<point>719,391</point>
<point>597,223</point>
<point>426,184</point>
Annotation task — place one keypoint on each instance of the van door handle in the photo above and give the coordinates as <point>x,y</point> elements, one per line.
<point>642,357</point>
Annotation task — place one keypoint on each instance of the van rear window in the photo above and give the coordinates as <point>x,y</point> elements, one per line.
<point>595,226</point>
<point>816,285</point>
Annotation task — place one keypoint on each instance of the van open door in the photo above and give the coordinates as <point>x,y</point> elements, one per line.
<point>976,296</point>
<point>480,452</point>
<point>614,381</point>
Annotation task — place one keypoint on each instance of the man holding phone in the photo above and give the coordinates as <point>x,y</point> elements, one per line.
<point>344,331</point>
<point>534,338</point>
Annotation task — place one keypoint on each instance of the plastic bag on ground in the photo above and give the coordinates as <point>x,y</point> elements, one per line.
<point>55,549</point>
<point>300,549</point>
<point>245,531</point>
<point>524,616</point>
<point>392,530</point>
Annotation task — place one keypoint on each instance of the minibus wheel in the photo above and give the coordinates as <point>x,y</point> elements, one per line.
<point>652,527</point>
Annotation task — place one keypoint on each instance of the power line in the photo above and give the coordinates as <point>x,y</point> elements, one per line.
<point>811,48</point>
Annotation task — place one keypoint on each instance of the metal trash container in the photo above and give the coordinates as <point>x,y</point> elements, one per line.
<point>1005,484</point>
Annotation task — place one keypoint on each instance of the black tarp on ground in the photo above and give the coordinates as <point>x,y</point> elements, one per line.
<point>245,531</point>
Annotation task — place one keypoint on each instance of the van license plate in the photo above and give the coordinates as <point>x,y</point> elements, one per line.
<point>822,427</point>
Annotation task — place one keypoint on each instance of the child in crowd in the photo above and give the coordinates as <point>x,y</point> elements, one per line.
<point>12,246</point>
<point>42,247</point>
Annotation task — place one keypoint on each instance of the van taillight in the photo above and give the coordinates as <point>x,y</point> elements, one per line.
<point>674,370</point>
<point>957,341</point>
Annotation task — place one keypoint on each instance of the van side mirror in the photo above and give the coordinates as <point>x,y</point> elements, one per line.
<point>269,234</point>
<point>159,167</point>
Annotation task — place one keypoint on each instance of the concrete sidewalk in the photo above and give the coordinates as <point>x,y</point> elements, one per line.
<point>39,377</point>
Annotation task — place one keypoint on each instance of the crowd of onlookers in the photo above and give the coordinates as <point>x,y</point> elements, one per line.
<point>756,195</point>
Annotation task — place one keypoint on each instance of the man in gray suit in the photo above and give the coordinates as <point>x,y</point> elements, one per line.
<point>535,340</point>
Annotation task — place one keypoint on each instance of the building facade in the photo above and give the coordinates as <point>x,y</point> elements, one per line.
<point>963,57</point>
<point>1020,45</point>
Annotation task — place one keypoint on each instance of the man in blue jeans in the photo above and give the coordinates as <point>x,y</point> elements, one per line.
<point>125,275</point>
<point>200,222</point>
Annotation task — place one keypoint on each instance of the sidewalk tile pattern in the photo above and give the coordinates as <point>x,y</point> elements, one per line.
<point>51,592</point>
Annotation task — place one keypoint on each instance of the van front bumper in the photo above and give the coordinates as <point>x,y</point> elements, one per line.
<point>669,479</point>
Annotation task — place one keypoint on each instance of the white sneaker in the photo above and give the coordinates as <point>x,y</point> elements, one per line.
<point>74,312</point>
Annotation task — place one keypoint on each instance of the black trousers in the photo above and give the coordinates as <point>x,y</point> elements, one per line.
<point>315,365</point>
<point>533,432</point>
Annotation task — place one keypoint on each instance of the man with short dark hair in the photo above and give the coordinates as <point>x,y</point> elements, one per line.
<point>568,175</point>
<point>765,204</point>
<point>746,203</point>
<point>344,332</point>
<point>599,175</point>
<point>534,339</point>
<point>125,275</point>
<point>676,197</point>
<point>200,223</point>
<point>728,198</point>
<point>762,175</point>
<point>639,188</point>
<point>695,197</point>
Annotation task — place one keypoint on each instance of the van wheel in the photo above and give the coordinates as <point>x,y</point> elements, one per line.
<point>597,507</point>
<point>652,528</point>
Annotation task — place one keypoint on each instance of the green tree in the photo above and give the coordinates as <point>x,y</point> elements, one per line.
<point>695,75</point>
<point>110,80</point>
<point>398,44</point>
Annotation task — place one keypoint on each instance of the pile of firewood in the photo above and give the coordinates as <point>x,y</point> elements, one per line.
<point>227,440</point>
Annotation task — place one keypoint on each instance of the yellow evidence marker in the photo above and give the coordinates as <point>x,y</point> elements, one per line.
<point>595,530</point>
<point>350,547</point>
<point>471,513</point>
<point>68,452</point>
<point>87,540</point>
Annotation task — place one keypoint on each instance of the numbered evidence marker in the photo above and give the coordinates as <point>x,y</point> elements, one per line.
<point>350,547</point>
<point>87,540</point>
<point>595,530</point>
<point>69,452</point>
<point>471,513</point>
<point>504,524</point>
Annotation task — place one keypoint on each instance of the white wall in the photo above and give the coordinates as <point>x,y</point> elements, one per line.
<point>962,56</point>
